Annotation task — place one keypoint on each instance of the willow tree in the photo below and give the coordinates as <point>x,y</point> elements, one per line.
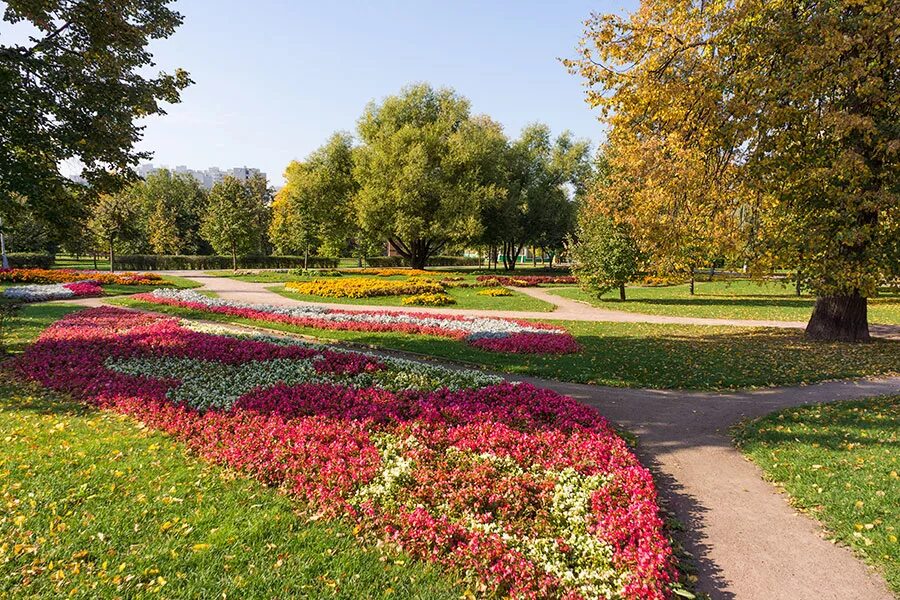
<point>416,191</point>
<point>787,111</point>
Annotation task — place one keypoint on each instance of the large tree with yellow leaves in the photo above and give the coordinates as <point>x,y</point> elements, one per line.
<point>767,120</point>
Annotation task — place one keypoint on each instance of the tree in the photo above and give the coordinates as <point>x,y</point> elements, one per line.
<point>544,177</point>
<point>261,194</point>
<point>231,220</point>
<point>416,191</point>
<point>75,90</point>
<point>788,110</point>
<point>314,208</point>
<point>113,220</point>
<point>171,207</point>
<point>605,255</point>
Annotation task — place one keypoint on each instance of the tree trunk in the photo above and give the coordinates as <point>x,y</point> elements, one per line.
<point>233,257</point>
<point>839,318</point>
<point>692,283</point>
<point>533,257</point>
<point>112,255</point>
<point>621,291</point>
<point>95,259</point>
<point>306,257</point>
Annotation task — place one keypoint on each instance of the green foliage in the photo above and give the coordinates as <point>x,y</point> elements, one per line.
<point>170,206</point>
<point>417,188</point>
<point>605,254</point>
<point>113,220</point>
<point>231,223</point>
<point>75,89</point>
<point>793,163</point>
<point>313,211</point>
<point>840,462</point>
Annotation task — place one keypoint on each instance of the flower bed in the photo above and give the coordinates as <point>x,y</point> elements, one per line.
<point>71,275</point>
<point>469,329</point>
<point>525,280</point>
<point>428,300</point>
<point>53,291</point>
<point>363,287</point>
<point>386,272</point>
<point>527,492</point>
<point>495,292</point>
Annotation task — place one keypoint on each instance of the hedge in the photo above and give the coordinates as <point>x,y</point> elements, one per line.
<point>434,261</point>
<point>30,260</point>
<point>167,262</point>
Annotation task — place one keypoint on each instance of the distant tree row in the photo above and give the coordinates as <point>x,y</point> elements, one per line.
<point>427,176</point>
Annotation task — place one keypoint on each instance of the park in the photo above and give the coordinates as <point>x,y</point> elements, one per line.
<point>444,356</point>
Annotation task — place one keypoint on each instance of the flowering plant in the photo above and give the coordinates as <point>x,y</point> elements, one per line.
<point>71,275</point>
<point>453,326</point>
<point>52,291</point>
<point>527,491</point>
<point>386,272</point>
<point>429,300</point>
<point>525,280</point>
<point>495,292</point>
<point>363,287</point>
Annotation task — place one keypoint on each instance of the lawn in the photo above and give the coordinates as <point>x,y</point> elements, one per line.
<point>739,299</point>
<point>839,463</point>
<point>639,354</point>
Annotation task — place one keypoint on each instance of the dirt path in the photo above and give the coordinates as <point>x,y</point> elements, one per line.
<point>566,309</point>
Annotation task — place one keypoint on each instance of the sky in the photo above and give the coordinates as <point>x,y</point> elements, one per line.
<point>274,79</point>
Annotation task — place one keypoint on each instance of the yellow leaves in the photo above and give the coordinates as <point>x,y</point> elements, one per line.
<point>200,547</point>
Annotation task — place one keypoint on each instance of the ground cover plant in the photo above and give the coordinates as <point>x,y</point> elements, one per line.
<point>634,354</point>
<point>429,299</point>
<point>528,492</point>
<point>363,287</point>
<point>525,280</point>
<point>99,506</point>
<point>511,335</point>
<point>72,275</point>
<point>42,292</point>
<point>738,299</point>
<point>840,463</point>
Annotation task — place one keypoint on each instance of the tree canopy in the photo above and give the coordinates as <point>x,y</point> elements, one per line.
<point>73,87</point>
<point>776,122</point>
<point>414,188</point>
<point>231,222</point>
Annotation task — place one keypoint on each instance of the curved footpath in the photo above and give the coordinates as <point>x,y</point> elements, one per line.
<point>748,543</point>
<point>566,309</point>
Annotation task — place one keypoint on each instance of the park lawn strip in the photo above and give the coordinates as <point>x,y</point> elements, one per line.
<point>97,506</point>
<point>741,299</point>
<point>466,298</point>
<point>114,289</point>
<point>635,354</point>
<point>126,511</point>
<point>839,463</point>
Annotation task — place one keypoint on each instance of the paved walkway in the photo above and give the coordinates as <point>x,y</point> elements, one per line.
<point>566,309</point>
<point>747,541</point>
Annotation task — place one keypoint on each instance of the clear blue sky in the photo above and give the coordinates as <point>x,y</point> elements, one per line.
<point>274,78</point>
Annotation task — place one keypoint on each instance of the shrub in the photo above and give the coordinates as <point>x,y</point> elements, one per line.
<point>524,280</point>
<point>434,261</point>
<point>363,287</point>
<point>429,300</point>
<point>165,262</point>
<point>30,260</point>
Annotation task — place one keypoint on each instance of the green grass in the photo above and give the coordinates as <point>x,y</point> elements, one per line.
<point>97,506</point>
<point>739,299</point>
<point>466,298</point>
<point>840,463</point>
<point>640,354</point>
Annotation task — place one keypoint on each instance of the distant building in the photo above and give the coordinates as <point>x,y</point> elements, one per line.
<point>207,177</point>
